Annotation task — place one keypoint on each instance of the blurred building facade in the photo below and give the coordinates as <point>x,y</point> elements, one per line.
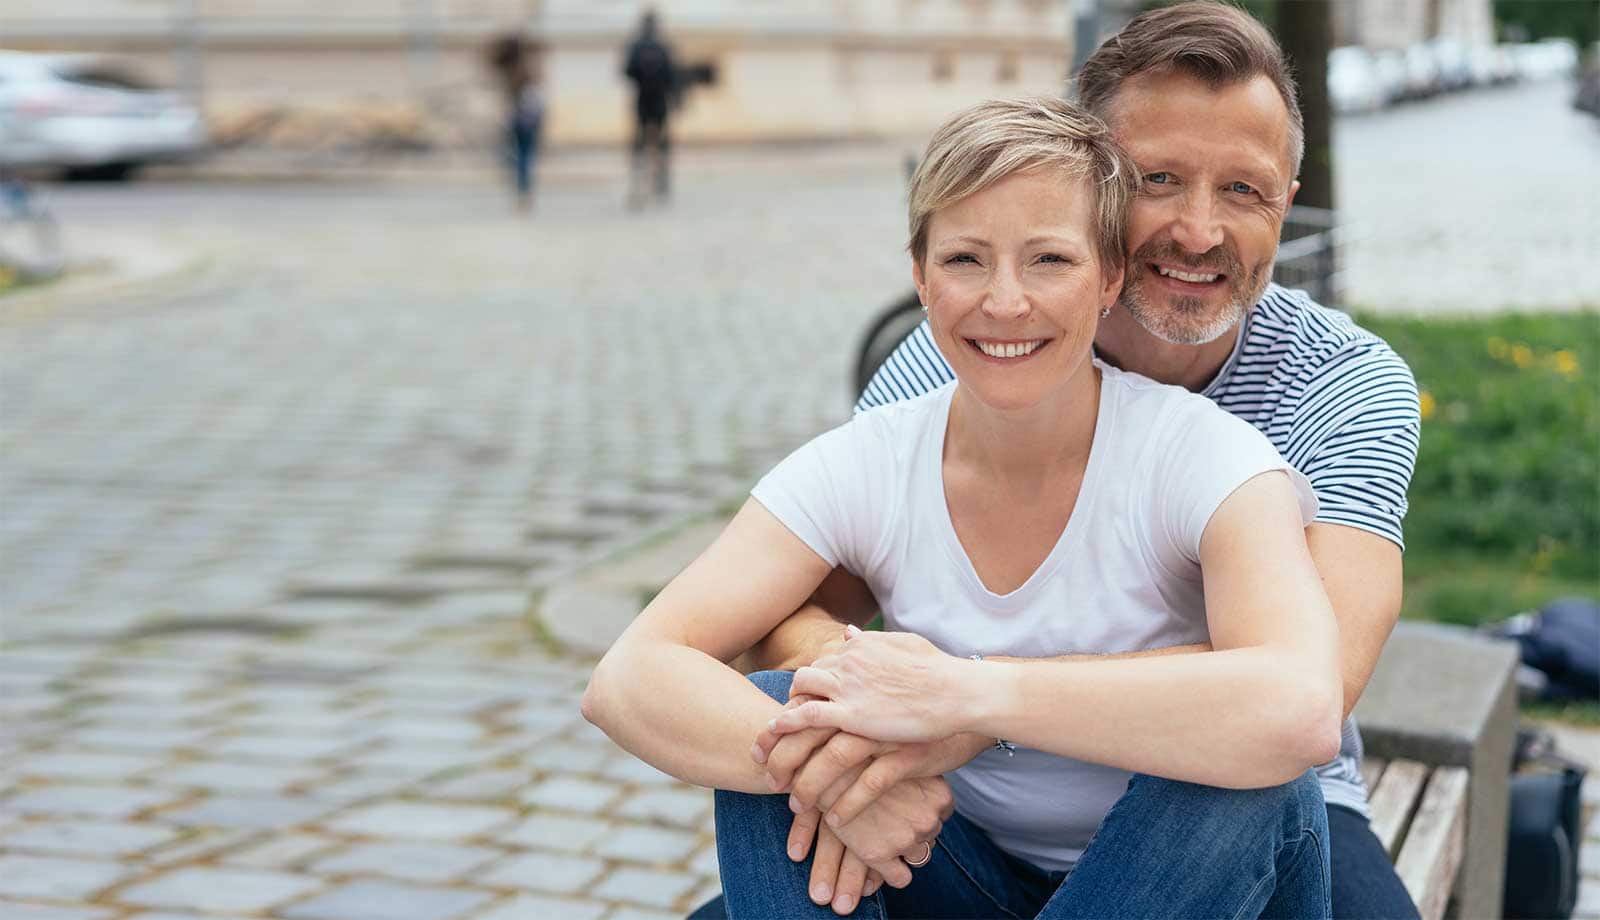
<point>785,69</point>
<point>1397,24</point>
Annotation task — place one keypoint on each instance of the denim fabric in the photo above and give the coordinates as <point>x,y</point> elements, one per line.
<point>1365,886</point>
<point>1166,849</point>
<point>524,152</point>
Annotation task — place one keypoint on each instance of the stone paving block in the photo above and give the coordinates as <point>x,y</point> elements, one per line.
<point>544,872</point>
<point>529,906</point>
<point>17,910</point>
<point>208,888</point>
<point>480,785</point>
<point>1588,898</point>
<point>358,785</point>
<point>680,807</point>
<point>281,746</point>
<point>628,912</point>
<point>86,838</point>
<point>281,851</point>
<point>88,801</point>
<point>555,832</point>
<point>421,820</point>
<point>76,765</point>
<point>651,887</point>
<point>425,862</point>
<point>386,900</point>
<point>427,730</point>
<point>433,757</point>
<point>233,777</point>
<point>705,862</point>
<point>57,877</point>
<point>568,793</point>
<point>638,843</point>
<point>147,738</point>
<point>198,844</point>
<point>249,812</point>
<point>630,769</point>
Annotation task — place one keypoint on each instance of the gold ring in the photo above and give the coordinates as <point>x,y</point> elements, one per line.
<point>927,854</point>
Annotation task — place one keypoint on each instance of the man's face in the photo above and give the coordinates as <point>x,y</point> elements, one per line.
<point>1215,186</point>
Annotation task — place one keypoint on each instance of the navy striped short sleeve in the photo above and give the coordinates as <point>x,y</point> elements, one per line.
<point>914,368</point>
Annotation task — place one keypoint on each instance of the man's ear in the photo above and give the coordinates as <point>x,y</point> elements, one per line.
<point>1294,189</point>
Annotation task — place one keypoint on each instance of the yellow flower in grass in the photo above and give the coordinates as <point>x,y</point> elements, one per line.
<point>1565,363</point>
<point>8,276</point>
<point>1426,404</point>
<point>1521,356</point>
<point>1498,348</point>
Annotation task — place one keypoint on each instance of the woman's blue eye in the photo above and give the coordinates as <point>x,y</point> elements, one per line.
<point>961,257</point>
<point>1051,257</point>
<point>1158,178</point>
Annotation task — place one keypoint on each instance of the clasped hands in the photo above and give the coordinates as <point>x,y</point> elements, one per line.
<point>861,748</point>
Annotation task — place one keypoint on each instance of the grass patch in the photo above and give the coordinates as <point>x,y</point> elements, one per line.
<point>1505,502</point>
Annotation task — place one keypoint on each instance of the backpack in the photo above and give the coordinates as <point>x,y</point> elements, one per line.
<point>1544,836</point>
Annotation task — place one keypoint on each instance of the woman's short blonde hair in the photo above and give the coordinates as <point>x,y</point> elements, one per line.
<point>981,145</point>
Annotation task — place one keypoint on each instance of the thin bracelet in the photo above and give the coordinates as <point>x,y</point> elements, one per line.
<point>1000,744</point>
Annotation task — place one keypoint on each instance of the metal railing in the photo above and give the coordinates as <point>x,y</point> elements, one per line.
<point>1309,254</point>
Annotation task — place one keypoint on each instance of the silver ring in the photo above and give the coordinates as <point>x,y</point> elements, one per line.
<point>926,857</point>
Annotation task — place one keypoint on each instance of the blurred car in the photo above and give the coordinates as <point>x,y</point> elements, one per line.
<point>1546,60</point>
<point>1390,67</point>
<point>1491,65</point>
<point>1422,72</point>
<point>1453,63</point>
<point>88,116</point>
<point>1353,84</point>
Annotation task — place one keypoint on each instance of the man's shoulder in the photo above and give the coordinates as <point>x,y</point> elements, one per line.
<point>1289,330</point>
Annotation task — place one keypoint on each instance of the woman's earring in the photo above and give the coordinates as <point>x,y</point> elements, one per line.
<point>1103,313</point>
<point>923,306</point>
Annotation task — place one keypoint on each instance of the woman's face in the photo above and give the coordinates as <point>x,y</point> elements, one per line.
<point>1014,287</point>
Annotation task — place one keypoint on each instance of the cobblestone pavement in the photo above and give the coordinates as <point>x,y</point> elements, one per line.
<point>271,530</point>
<point>269,534</point>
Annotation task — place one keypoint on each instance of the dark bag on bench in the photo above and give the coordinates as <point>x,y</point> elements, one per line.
<point>1542,847</point>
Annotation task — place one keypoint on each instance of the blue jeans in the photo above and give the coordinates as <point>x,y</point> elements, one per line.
<point>1166,849</point>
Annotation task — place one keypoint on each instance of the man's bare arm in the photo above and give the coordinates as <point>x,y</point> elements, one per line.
<point>1362,574</point>
<point>814,630</point>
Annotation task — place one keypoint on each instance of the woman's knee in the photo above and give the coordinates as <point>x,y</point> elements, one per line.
<point>774,683</point>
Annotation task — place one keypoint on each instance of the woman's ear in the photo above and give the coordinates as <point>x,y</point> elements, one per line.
<point>920,280</point>
<point>1113,278</point>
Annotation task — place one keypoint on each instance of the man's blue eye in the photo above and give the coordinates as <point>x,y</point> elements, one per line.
<point>1241,188</point>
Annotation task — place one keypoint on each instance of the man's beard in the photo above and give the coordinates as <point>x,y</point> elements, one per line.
<point>1186,320</point>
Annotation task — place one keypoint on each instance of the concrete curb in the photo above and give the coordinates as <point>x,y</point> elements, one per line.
<point>585,610</point>
<point>122,266</point>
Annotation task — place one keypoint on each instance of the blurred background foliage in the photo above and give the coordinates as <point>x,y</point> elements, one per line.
<point>1505,503</point>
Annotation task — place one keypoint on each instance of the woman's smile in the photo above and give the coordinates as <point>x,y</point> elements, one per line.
<point>1010,351</point>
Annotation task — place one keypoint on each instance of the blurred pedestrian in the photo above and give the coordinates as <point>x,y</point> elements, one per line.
<point>650,66</point>
<point>511,59</point>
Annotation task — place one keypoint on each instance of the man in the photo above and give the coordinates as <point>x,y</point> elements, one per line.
<point>1200,96</point>
<point>650,66</point>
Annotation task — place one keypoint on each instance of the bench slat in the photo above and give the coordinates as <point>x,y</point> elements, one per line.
<point>1392,802</point>
<point>1371,769</point>
<point>1433,849</point>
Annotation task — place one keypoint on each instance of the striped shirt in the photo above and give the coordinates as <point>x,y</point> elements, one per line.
<point>1334,399</point>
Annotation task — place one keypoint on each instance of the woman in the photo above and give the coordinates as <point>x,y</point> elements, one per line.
<point>1042,505</point>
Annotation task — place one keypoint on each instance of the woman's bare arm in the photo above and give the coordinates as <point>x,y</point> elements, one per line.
<point>664,691</point>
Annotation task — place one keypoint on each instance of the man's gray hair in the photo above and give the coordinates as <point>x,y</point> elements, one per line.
<point>1219,44</point>
<point>983,144</point>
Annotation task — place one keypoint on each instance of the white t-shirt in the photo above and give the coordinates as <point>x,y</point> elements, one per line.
<point>1124,575</point>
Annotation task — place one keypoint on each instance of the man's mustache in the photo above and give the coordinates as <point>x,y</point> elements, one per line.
<point>1219,259</point>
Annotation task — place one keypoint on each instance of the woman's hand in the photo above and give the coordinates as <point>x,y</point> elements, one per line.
<point>889,686</point>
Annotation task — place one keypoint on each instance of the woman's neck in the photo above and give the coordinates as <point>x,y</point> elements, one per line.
<point>1026,446</point>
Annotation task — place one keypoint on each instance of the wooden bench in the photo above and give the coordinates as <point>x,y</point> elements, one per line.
<point>1439,720</point>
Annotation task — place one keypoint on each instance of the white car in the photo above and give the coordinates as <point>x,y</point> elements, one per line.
<point>85,115</point>
<point>1353,84</point>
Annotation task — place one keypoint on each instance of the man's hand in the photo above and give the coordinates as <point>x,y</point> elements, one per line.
<point>838,877</point>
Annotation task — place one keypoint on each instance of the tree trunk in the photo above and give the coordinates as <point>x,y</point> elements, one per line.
<point>1304,27</point>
